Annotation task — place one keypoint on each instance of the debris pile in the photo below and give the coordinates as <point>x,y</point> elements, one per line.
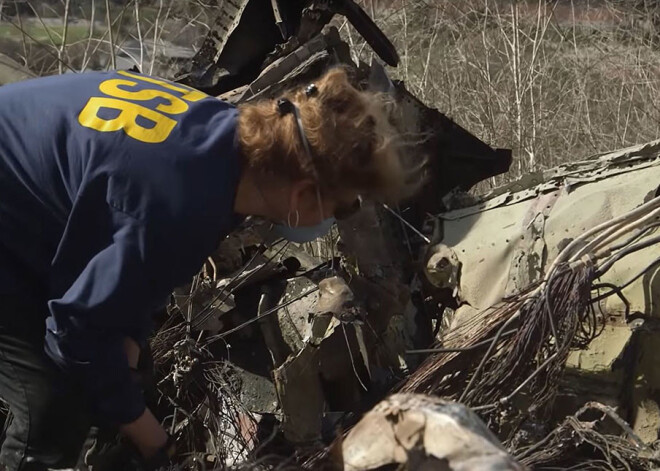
<point>570,259</point>
<point>274,352</point>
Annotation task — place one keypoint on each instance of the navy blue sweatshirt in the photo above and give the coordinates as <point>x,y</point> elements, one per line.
<point>114,188</point>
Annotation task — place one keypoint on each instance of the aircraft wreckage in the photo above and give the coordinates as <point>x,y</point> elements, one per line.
<point>500,331</point>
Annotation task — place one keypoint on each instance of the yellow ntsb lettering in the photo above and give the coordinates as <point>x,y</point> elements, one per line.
<point>124,93</point>
<point>126,120</point>
<point>111,87</point>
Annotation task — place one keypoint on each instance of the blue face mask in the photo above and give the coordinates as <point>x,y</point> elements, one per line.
<point>303,234</point>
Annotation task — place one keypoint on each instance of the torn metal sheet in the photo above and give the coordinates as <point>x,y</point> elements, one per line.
<point>423,433</point>
<point>232,55</point>
<point>488,237</point>
<point>470,209</point>
<point>531,251</point>
<point>503,243</point>
<point>329,350</point>
<point>344,357</point>
<point>301,396</point>
<point>201,70</point>
<point>294,320</point>
<point>279,351</point>
<point>211,300</point>
<point>289,329</point>
<point>594,168</point>
<point>456,158</point>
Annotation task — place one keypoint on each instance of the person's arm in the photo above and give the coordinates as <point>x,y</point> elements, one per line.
<point>146,433</point>
<point>110,300</point>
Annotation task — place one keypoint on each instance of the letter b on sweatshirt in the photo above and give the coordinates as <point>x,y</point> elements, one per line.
<point>119,112</point>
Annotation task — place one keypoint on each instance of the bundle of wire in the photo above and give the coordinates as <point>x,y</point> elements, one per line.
<point>526,338</point>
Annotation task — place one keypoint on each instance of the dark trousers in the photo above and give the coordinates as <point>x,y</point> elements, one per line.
<point>49,421</point>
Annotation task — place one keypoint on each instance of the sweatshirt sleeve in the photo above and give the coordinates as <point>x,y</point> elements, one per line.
<point>112,298</point>
<point>144,217</point>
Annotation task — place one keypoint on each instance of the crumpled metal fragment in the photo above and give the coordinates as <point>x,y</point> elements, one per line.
<point>333,356</point>
<point>423,433</point>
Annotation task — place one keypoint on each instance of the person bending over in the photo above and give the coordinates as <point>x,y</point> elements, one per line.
<point>114,189</point>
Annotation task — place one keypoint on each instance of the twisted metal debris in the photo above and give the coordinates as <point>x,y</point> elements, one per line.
<point>233,343</point>
<point>579,434</point>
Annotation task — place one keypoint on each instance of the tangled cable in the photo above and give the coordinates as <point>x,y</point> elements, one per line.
<point>526,338</point>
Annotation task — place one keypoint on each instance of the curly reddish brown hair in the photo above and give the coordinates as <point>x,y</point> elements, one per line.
<point>354,147</point>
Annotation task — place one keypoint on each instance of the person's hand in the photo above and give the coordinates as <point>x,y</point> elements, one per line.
<point>139,449</point>
<point>146,433</point>
<point>124,456</point>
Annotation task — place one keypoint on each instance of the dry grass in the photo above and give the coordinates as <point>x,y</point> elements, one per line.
<point>555,81</point>
<point>75,35</point>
